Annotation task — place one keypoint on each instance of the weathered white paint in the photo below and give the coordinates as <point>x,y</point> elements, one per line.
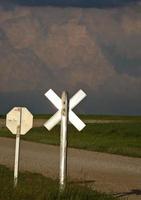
<point>63,141</point>
<point>72,117</point>
<point>19,121</point>
<point>64,114</point>
<point>13,120</point>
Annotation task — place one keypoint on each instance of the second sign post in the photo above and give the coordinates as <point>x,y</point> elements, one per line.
<point>19,121</point>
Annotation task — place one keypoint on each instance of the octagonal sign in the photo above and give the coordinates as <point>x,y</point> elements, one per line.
<point>19,120</point>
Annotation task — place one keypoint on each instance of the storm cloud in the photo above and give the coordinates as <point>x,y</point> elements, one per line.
<point>98,50</point>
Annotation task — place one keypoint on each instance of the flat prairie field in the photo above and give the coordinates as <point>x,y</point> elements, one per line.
<point>114,138</point>
<point>93,117</point>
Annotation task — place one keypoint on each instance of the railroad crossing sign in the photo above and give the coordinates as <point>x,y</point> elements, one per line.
<point>19,121</point>
<point>57,102</point>
<point>19,117</point>
<point>64,114</point>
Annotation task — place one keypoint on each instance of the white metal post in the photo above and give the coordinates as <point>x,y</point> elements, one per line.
<point>17,151</point>
<point>63,141</point>
<point>64,114</point>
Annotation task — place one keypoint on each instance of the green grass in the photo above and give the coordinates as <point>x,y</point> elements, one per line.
<point>96,117</point>
<point>122,139</point>
<point>36,187</point>
<point>112,117</point>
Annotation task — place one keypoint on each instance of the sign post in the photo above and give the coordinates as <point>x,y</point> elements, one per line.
<point>63,141</point>
<point>17,150</point>
<point>19,121</point>
<point>64,114</point>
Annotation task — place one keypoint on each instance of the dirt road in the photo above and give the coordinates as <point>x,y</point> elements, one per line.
<point>110,173</point>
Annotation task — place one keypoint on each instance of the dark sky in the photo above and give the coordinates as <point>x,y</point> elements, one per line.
<point>92,45</point>
<point>74,3</point>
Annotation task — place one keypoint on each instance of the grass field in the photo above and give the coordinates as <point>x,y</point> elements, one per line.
<point>96,117</point>
<point>36,187</point>
<point>122,139</point>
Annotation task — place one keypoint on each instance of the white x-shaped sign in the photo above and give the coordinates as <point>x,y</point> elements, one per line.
<point>57,102</point>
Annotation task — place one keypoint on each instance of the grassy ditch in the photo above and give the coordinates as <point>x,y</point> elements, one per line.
<point>37,187</point>
<point>122,139</point>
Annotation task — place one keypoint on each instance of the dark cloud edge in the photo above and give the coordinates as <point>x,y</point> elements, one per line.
<point>69,3</point>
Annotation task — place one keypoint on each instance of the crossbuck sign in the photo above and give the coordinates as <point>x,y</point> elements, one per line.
<point>57,102</point>
<point>64,114</point>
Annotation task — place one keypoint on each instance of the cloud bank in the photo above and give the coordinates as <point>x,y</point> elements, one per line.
<point>72,48</point>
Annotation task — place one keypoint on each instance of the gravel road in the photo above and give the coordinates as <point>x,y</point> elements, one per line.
<point>118,175</point>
